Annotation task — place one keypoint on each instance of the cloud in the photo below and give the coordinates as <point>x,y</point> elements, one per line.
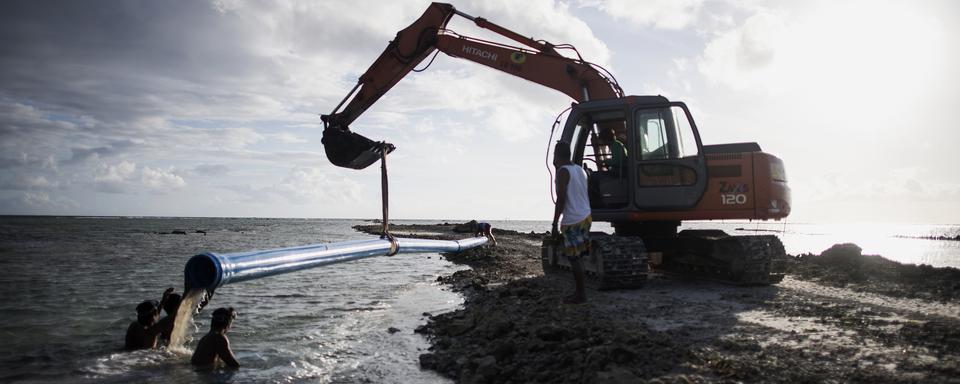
<point>160,180</point>
<point>44,201</point>
<point>127,177</point>
<point>541,19</point>
<point>740,56</point>
<point>904,184</point>
<point>814,48</point>
<point>312,186</point>
<point>286,138</point>
<point>663,14</point>
<point>212,169</point>
<point>114,178</point>
<point>27,182</point>
<point>141,97</point>
<point>113,148</point>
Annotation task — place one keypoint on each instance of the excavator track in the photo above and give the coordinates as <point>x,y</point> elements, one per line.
<point>742,260</point>
<point>615,262</point>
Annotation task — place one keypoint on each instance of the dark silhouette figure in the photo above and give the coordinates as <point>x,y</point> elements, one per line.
<point>143,333</point>
<point>214,345</point>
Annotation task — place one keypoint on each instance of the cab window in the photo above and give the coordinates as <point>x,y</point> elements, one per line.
<point>665,133</point>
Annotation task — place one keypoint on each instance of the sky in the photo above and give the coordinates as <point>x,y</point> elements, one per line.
<point>211,108</point>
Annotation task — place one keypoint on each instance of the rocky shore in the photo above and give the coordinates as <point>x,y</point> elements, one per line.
<point>837,317</point>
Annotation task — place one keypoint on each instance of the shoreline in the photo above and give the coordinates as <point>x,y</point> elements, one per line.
<point>839,316</point>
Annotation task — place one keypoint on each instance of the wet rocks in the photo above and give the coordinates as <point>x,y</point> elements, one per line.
<point>843,265</point>
<point>503,337</point>
<point>514,329</point>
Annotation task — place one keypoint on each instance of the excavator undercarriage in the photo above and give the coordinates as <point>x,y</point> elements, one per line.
<point>614,261</point>
<point>625,261</point>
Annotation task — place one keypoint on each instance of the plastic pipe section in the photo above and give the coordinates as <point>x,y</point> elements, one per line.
<point>212,270</point>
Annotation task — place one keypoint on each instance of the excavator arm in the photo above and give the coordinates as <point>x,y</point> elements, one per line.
<point>539,62</point>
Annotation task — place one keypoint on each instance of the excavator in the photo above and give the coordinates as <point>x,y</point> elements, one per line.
<point>664,176</point>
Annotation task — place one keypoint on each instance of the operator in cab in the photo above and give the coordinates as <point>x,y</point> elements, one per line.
<point>616,162</point>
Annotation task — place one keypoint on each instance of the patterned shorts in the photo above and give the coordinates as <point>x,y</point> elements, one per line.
<point>576,238</point>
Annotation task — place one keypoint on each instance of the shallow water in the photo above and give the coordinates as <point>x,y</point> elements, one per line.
<point>897,242</point>
<point>69,287</point>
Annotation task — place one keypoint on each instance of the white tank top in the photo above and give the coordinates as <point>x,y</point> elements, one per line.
<point>577,207</point>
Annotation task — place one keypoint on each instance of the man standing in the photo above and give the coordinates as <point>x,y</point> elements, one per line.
<point>573,204</point>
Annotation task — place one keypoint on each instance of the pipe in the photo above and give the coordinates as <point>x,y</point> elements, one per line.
<point>211,270</point>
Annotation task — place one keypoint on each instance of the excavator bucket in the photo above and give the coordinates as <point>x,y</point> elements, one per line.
<point>351,150</point>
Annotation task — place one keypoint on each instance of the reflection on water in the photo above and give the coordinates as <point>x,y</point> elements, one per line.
<point>891,241</point>
<point>873,238</point>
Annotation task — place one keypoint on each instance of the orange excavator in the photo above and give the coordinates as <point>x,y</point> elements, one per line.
<point>647,168</point>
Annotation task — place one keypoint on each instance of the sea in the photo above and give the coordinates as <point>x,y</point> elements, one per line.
<point>69,286</point>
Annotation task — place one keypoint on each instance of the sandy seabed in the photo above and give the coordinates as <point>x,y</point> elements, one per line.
<point>837,317</point>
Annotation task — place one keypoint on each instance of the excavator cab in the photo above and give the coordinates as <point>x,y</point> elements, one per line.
<point>641,153</point>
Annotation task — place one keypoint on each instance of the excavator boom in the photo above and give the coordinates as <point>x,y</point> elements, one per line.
<point>539,63</point>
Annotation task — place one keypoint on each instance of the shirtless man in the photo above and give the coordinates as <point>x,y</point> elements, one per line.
<point>215,344</point>
<point>143,333</point>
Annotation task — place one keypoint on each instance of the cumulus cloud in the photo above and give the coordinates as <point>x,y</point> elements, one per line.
<point>287,138</point>
<point>741,56</point>
<point>43,200</point>
<point>310,185</point>
<point>139,98</point>
<point>160,180</point>
<point>127,177</point>
<point>541,19</point>
<point>114,178</point>
<point>212,169</point>
<point>27,182</point>
<point>664,14</point>
<point>815,48</point>
<point>112,148</point>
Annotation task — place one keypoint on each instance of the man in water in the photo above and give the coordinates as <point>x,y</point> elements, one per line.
<point>143,333</point>
<point>215,344</point>
<point>574,205</point>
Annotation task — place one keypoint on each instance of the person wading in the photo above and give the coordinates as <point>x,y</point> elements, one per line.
<point>143,333</point>
<point>215,346</point>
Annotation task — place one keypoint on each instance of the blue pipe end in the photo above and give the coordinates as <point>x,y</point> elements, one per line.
<point>203,271</point>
